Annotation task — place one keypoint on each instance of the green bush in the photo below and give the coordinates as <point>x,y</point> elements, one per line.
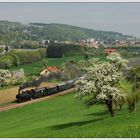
<point>16,60</point>
<point>5,63</point>
<point>42,52</point>
<point>1,50</point>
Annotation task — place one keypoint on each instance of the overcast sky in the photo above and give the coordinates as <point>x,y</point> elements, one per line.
<point>120,17</point>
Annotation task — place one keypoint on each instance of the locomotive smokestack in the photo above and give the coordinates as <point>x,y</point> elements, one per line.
<point>34,83</point>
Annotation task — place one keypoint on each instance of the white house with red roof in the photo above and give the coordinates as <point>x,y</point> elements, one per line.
<point>47,70</point>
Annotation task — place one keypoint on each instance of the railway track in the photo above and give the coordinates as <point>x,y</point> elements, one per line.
<point>134,61</point>
<point>16,105</point>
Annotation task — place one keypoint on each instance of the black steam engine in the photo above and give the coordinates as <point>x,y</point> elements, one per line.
<point>44,91</point>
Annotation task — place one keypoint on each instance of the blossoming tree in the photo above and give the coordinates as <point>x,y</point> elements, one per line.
<point>11,78</point>
<point>101,81</point>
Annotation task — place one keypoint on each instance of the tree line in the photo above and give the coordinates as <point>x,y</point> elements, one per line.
<point>15,58</point>
<point>58,50</point>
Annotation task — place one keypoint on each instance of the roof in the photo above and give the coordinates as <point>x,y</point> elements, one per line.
<point>109,50</point>
<point>50,69</point>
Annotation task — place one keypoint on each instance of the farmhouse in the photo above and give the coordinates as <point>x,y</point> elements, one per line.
<point>49,70</point>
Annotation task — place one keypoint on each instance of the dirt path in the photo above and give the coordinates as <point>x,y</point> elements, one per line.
<point>8,95</point>
<point>12,106</point>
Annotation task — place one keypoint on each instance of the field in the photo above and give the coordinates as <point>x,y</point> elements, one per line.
<point>65,116</point>
<point>35,67</point>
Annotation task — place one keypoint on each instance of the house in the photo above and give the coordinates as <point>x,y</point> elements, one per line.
<point>91,42</point>
<point>108,51</point>
<point>47,70</point>
<point>121,43</point>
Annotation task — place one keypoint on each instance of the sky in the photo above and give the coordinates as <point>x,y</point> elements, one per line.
<point>119,17</point>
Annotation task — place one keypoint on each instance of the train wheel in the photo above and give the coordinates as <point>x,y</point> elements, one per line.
<point>19,101</point>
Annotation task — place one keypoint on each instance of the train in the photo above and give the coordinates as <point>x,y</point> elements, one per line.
<point>43,91</point>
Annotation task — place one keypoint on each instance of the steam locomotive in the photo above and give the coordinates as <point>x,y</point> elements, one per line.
<point>44,91</point>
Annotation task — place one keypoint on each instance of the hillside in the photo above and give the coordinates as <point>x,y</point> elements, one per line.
<point>67,32</point>
<point>11,32</point>
<point>64,116</point>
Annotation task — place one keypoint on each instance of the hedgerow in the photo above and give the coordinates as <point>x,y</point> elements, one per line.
<point>15,58</point>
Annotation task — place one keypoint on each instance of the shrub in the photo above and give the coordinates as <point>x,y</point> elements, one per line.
<point>17,77</point>
<point>5,63</point>
<point>5,76</point>
<point>11,78</point>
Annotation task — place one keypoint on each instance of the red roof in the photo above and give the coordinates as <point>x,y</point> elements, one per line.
<point>50,69</point>
<point>109,50</point>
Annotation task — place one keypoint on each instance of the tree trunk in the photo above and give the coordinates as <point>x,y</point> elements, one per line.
<point>134,99</point>
<point>110,107</point>
<point>120,106</point>
<point>134,105</point>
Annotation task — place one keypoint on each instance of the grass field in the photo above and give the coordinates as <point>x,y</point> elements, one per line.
<point>64,116</point>
<point>35,67</point>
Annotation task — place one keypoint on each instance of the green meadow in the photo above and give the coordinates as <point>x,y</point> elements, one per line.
<point>34,68</point>
<point>65,116</point>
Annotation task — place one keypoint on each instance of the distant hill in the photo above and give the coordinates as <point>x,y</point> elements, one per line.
<point>16,31</point>
<point>12,31</point>
<point>68,32</point>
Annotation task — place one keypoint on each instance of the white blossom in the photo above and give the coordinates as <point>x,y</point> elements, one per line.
<point>101,80</point>
<point>11,78</point>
